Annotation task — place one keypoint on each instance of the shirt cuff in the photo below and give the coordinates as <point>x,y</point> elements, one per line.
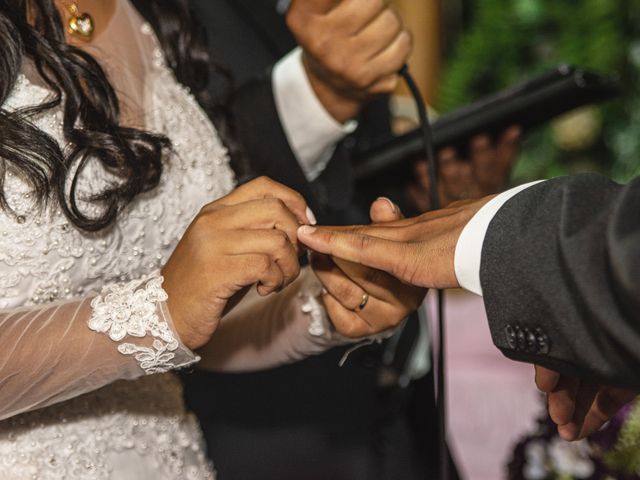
<point>311,131</point>
<point>469,247</point>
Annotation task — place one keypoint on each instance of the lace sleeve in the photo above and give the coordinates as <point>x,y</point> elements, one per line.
<point>61,350</point>
<point>262,333</point>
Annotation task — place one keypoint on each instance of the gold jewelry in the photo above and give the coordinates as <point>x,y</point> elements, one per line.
<point>79,24</point>
<point>363,303</point>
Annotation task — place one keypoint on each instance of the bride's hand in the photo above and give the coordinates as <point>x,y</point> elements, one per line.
<point>387,301</point>
<point>247,237</point>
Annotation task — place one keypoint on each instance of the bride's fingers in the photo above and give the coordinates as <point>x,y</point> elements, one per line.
<point>264,187</point>
<point>262,214</point>
<point>345,321</point>
<point>347,292</point>
<point>379,316</point>
<point>272,243</point>
<point>262,270</point>
<point>381,285</point>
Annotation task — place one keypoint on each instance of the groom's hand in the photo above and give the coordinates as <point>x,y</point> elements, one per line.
<point>578,408</point>
<point>418,251</point>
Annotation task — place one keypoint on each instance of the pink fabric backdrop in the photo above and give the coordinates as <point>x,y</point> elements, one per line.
<point>492,401</point>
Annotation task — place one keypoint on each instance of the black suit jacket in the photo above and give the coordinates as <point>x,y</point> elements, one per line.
<point>560,274</point>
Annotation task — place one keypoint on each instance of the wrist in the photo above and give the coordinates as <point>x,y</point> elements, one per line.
<point>339,104</point>
<point>180,312</point>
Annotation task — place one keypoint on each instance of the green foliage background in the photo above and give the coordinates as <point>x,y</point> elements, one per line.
<point>511,40</point>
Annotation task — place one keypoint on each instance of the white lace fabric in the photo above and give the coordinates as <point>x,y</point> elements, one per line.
<point>82,392</point>
<point>55,354</point>
<point>138,309</point>
<point>90,410</point>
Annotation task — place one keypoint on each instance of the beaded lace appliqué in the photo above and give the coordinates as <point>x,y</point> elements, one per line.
<point>320,325</point>
<point>132,309</point>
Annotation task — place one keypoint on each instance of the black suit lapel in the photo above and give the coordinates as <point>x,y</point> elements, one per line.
<point>262,16</point>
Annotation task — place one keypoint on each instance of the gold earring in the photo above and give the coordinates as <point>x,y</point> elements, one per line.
<point>80,24</point>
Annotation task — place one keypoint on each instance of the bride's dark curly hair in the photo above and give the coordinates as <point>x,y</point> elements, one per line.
<point>33,29</point>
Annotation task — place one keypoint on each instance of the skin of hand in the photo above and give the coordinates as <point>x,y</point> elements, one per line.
<point>247,237</point>
<point>353,50</point>
<point>485,172</point>
<point>418,251</point>
<point>578,408</point>
<point>390,301</point>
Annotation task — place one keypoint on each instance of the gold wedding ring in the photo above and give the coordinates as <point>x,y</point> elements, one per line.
<point>363,303</point>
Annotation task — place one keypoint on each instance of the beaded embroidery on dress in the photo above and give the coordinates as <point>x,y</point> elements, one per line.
<point>129,429</point>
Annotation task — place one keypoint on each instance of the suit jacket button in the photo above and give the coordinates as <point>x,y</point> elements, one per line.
<point>521,338</point>
<point>543,342</point>
<point>511,337</point>
<point>532,341</point>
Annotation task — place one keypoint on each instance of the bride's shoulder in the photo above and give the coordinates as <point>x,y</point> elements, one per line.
<point>26,92</point>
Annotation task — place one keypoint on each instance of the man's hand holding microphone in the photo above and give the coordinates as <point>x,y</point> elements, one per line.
<point>353,50</point>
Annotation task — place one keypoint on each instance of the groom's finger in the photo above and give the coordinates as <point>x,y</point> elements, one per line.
<point>607,403</point>
<point>562,400</point>
<point>584,399</point>
<point>546,380</point>
<point>356,247</point>
<point>384,210</point>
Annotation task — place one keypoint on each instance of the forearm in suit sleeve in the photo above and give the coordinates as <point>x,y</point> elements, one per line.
<point>560,273</point>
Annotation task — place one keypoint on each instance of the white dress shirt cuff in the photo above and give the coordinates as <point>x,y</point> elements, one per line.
<point>311,131</point>
<point>469,247</point>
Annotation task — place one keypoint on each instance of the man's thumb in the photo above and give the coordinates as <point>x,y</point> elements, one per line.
<point>384,210</point>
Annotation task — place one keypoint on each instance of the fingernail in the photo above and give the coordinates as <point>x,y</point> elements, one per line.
<point>311,217</point>
<point>394,209</point>
<point>306,230</point>
<point>324,291</point>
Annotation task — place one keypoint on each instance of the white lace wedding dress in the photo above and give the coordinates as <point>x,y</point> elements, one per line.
<point>84,330</point>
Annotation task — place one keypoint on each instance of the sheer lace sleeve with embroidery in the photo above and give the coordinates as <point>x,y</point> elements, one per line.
<point>282,328</point>
<point>61,350</point>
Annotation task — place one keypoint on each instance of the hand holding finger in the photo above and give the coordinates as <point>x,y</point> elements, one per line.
<point>264,188</point>
<point>345,321</point>
<point>275,246</point>
<point>260,214</point>
<point>356,247</point>
<point>355,312</point>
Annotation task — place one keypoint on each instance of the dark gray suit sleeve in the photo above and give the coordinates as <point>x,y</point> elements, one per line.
<point>560,275</point>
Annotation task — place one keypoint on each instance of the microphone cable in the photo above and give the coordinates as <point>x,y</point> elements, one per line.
<point>427,136</point>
